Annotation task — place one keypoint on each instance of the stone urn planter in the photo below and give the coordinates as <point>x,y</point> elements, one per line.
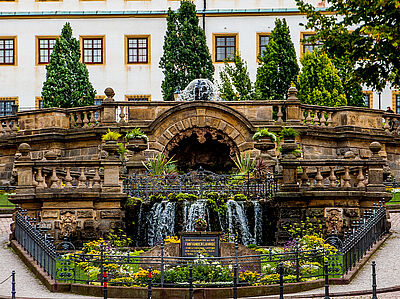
<point>136,144</point>
<point>264,144</point>
<point>288,148</point>
<point>111,147</point>
<point>200,225</point>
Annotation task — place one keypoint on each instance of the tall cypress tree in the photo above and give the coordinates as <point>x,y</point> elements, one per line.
<point>236,84</point>
<point>277,65</point>
<point>319,82</point>
<point>186,56</point>
<point>67,79</point>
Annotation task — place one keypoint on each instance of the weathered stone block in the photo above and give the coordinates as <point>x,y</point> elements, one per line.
<point>110,214</point>
<point>49,214</point>
<point>85,214</point>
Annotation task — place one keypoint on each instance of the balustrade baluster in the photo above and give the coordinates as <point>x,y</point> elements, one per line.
<point>302,118</point>
<point>323,119</point>
<point>7,127</point>
<point>34,182</point>
<point>346,177</point>
<point>85,119</point>
<point>122,115</point>
<point>96,178</point>
<point>332,177</point>
<point>41,179</point>
<point>72,122</point>
<point>304,177</point>
<point>308,118</point>
<point>360,177</point>
<point>78,120</point>
<point>54,179</point>
<point>329,120</point>
<point>279,114</point>
<point>92,118</point>
<point>68,178</point>
<point>90,183</point>
<point>319,178</point>
<point>316,118</point>
<point>82,178</point>
<point>387,126</point>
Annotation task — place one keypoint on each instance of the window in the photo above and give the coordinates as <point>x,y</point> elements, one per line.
<point>38,103</point>
<point>368,98</point>
<point>45,48</point>
<point>136,98</point>
<point>262,42</point>
<point>225,47</point>
<point>93,50</point>
<point>137,49</point>
<point>6,105</point>
<point>7,50</point>
<point>396,101</point>
<point>308,46</point>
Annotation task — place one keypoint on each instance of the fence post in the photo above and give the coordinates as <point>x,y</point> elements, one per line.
<point>190,281</point>
<point>280,281</point>
<point>297,262</point>
<point>235,280</point>
<point>373,281</point>
<point>105,285</point>
<point>162,263</point>
<point>13,284</point>
<point>149,285</point>
<point>236,251</point>
<point>326,280</point>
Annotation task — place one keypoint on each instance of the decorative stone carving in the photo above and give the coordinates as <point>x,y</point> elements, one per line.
<point>85,214</point>
<point>68,222</point>
<point>334,220</point>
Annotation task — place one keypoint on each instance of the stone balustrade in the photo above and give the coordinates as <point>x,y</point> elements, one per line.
<point>84,117</point>
<point>66,174</point>
<point>319,116</point>
<point>9,125</point>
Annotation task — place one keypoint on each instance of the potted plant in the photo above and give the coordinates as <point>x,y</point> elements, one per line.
<point>136,139</point>
<point>289,134</point>
<point>111,146</point>
<point>200,224</point>
<point>263,135</point>
<point>111,137</point>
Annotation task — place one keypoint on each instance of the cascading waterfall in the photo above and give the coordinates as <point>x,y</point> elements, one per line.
<point>161,222</point>
<point>196,210</point>
<point>237,222</point>
<point>257,222</point>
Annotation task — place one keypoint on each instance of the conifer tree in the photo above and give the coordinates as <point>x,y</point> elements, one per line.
<point>186,56</point>
<point>236,84</point>
<point>277,65</point>
<point>319,82</point>
<point>67,79</point>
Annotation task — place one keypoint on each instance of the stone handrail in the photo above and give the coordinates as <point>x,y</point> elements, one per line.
<point>84,117</point>
<point>317,115</point>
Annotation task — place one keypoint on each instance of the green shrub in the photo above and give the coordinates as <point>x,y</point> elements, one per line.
<point>157,198</point>
<point>264,133</point>
<point>110,135</point>
<point>136,133</point>
<point>239,197</point>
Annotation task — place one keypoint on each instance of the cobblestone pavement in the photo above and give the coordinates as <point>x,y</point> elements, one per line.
<point>387,266</point>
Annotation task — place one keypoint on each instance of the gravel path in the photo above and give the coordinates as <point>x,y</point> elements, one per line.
<point>26,283</point>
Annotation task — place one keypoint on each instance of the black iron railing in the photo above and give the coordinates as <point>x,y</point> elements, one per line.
<point>201,182</point>
<point>35,241</point>
<point>296,262</point>
<point>364,234</point>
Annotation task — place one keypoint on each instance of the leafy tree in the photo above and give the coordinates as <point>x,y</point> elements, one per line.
<point>67,79</point>
<point>236,84</point>
<point>277,65</point>
<point>186,56</point>
<point>319,82</point>
<point>371,48</point>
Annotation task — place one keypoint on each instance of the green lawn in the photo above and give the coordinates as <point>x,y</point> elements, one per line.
<point>4,203</point>
<point>395,199</point>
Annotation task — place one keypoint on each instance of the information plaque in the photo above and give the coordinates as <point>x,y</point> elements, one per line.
<point>196,244</point>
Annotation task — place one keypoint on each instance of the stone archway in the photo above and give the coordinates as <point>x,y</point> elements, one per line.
<point>206,147</point>
<point>212,117</point>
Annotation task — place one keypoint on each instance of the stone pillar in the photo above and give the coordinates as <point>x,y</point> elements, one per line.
<point>375,172</point>
<point>109,111</point>
<point>293,110</point>
<point>111,168</point>
<point>289,171</point>
<point>23,166</point>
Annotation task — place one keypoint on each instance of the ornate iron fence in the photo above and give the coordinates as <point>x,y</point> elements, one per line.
<point>127,269</point>
<point>201,182</point>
